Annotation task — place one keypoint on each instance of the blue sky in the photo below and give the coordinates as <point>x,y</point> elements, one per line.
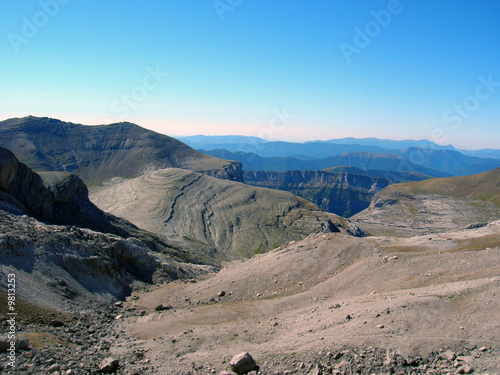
<point>282,70</point>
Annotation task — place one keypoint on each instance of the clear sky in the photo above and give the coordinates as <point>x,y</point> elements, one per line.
<point>280,69</point>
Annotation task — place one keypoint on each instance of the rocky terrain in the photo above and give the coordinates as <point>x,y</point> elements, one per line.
<point>329,304</point>
<point>344,194</point>
<point>100,153</point>
<point>66,249</point>
<point>96,294</point>
<point>434,205</point>
<point>218,218</point>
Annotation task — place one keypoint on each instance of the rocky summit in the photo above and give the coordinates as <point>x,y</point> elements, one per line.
<point>100,153</point>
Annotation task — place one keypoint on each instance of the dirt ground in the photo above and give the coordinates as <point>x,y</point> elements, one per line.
<point>411,295</point>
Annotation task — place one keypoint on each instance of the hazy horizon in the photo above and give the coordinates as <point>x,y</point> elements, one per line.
<point>277,139</point>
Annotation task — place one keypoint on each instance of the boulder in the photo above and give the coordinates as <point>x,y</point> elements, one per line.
<point>243,363</point>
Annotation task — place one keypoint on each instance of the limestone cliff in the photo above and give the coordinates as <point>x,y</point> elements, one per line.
<point>343,193</point>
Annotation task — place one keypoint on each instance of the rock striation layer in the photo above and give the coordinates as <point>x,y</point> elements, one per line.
<point>344,194</point>
<point>65,248</point>
<point>434,205</point>
<point>222,219</point>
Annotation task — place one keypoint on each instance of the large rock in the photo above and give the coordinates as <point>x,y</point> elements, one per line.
<point>19,181</point>
<point>243,363</point>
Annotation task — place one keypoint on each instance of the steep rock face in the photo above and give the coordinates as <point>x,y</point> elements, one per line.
<point>25,186</point>
<point>221,219</point>
<point>434,205</point>
<point>344,194</point>
<point>99,153</point>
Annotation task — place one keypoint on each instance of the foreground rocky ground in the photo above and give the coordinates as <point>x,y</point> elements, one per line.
<point>88,342</point>
<point>330,304</point>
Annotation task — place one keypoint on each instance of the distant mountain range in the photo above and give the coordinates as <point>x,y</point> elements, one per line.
<point>368,153</point>
<point>332,146</point>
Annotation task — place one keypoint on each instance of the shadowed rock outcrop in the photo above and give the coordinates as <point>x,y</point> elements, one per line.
<point>344,194</point>
<point>21,188</point>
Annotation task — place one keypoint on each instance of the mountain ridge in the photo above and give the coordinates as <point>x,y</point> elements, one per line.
<point>98,153</point>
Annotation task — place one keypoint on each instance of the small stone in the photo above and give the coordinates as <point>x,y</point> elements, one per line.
<point>465,370</point>
<point>159,308</point>
<point>380,326</point>
<point>465,358</point>
<point>449,355</point>
<point>221,293</point>
<point>56,323</point>
<point>55,367</point>
<point>483,349</point>
<point>109,365</point>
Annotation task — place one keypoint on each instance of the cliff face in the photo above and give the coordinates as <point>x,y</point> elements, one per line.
<point>99,153</point>
<point>343,194</point>
<point>25,188</point>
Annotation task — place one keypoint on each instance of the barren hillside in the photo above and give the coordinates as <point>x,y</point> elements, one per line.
<point>99,153</point>
<point>433,206</point>
<point>221,218</point>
